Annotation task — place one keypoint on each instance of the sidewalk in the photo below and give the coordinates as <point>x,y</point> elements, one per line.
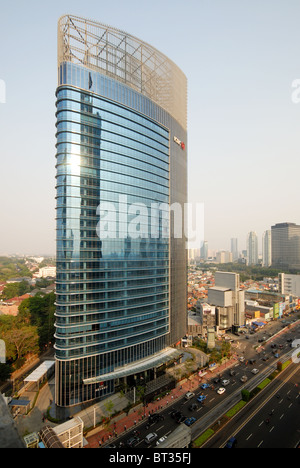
<point>128,423</point>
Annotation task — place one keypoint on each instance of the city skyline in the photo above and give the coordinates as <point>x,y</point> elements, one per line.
<point>243,123</point>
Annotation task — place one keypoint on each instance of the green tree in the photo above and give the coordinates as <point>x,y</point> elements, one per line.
<point>39,312</point>
<point>15,290</point>
<point>245,395</point>
<point>21,341</point>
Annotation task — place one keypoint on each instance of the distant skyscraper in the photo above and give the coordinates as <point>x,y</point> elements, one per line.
<point>286,246</point>
<point>204,251</point>
<point>252,248</point>
<point>267,248</point>
<point>121,143</point>
<point>234,249</point>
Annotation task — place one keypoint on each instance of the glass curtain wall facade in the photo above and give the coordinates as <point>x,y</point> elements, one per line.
<point>117,299</point>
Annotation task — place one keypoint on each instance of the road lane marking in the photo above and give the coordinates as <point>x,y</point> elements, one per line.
<point>259,408</point>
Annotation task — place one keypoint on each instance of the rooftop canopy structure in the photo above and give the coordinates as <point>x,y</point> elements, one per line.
<point>119,55</point>
<point>41,373</point>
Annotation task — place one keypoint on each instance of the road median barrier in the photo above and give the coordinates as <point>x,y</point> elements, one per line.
<point>247,397</point>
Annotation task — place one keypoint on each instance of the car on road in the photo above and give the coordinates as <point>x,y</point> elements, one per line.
<point>161,440</point>
<point>189,395</point>
<point>221,390</point>
<point>201,398</point>
<point>178,416</point>
<point>244,379</point>
<point>193,407</point>
<point>225,382</point>
<point>133,441</point>
<point>190,421</point>
<point>154,418</point>
<point>255,371</point>
<point>150,438</point>
<point>205,386</point>
<point>181,419</point>
<point>232,443</point>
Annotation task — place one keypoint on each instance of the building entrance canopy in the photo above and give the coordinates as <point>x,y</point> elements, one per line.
<point>145,364</point>
<point>41,372</point>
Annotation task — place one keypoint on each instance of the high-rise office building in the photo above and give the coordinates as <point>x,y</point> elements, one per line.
<point>204,251</point>
<point>121,161</point>
<point>252,248</point>
<point>286,246</point>
<point>234,249</point>
<point>267,248</point>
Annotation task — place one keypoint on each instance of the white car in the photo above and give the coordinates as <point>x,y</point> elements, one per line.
<point>255,371</point>
<point>244,379</point>
<point>162,439</point>
<point>150,438</point>
<point>225,382</point>
<point>221,390</point>
<point>189,395</point>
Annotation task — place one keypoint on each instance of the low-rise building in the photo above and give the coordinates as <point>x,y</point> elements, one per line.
<point>70,433</point>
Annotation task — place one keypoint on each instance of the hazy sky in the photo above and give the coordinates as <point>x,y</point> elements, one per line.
<point>240,57</point>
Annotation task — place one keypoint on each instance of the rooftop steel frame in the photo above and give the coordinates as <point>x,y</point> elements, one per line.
<point>125,58</point>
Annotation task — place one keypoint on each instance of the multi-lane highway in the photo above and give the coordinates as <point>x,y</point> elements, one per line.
<point>242,375</point>
<point>270,421</point>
